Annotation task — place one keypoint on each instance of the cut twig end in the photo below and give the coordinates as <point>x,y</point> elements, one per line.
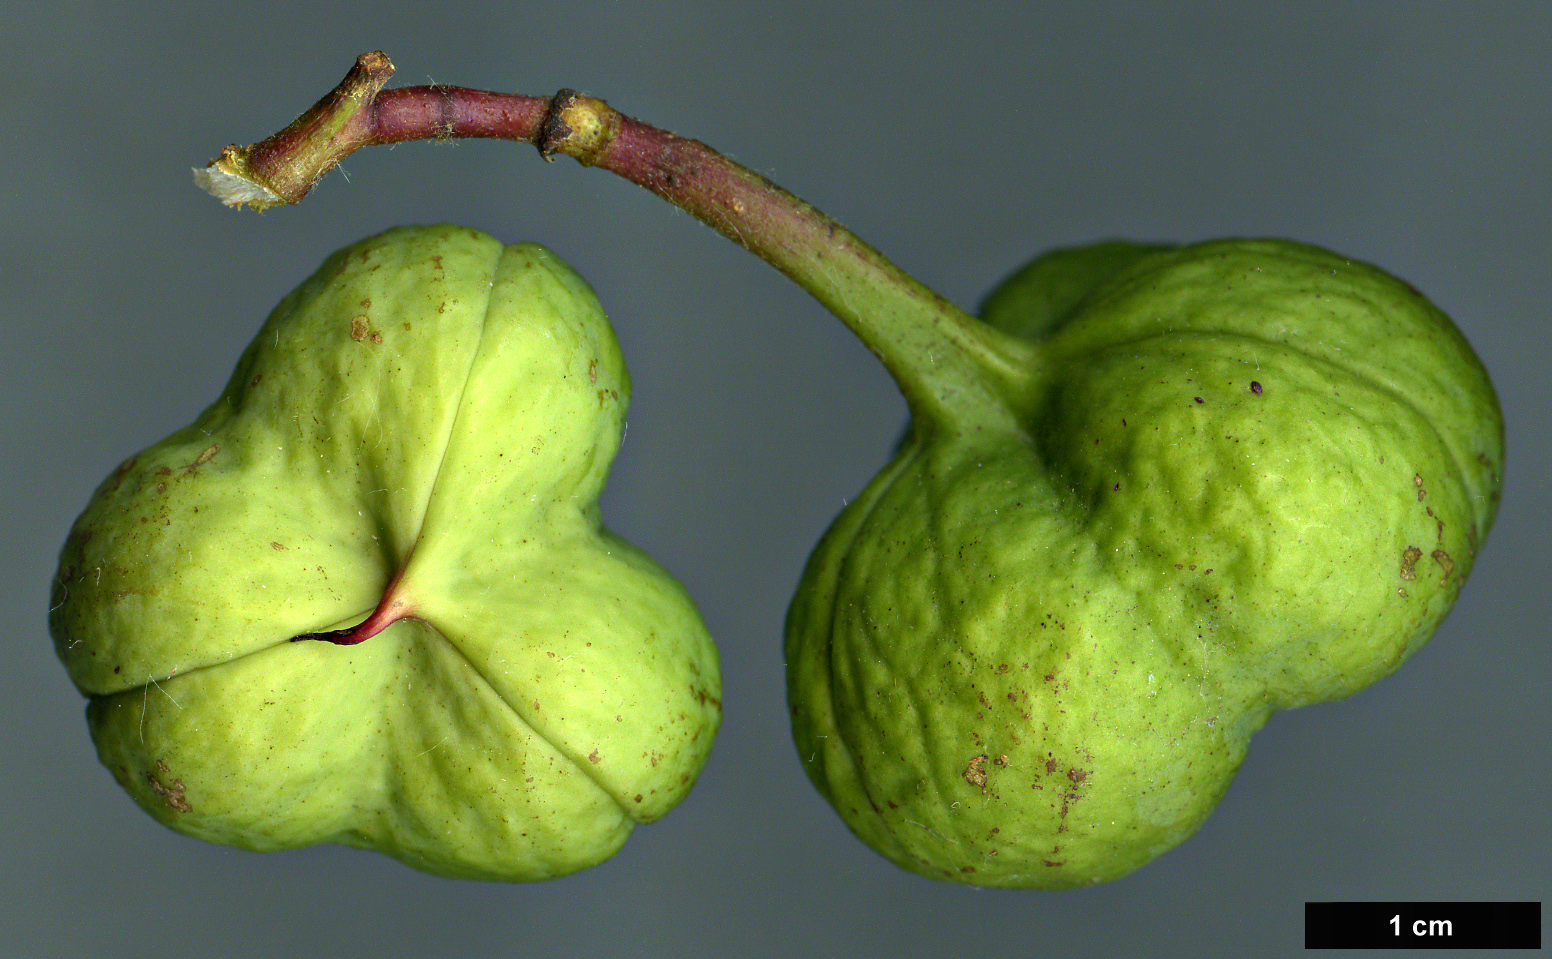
<point>282,168</point>
<point>226,179</point>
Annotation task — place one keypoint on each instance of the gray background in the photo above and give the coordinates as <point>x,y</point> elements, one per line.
<point>959,138</point>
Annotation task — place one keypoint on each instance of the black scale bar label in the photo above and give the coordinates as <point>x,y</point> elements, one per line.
<point>1422,925</point>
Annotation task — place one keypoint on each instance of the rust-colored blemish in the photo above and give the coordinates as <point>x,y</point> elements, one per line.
<point>975,773</point>
<point>1409,558</point>
<point>173,795</point>
<point>203,458</point>
<point>1446,565</point>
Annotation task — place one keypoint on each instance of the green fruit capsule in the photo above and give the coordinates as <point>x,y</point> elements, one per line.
<point>1235,478</point>
<point>366,598</point>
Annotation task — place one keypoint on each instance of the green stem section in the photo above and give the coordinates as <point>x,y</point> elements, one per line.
<point>955,371</point>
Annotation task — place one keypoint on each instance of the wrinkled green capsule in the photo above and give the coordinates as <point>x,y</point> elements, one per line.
<point>366,597</point>
<point>1237,477</point>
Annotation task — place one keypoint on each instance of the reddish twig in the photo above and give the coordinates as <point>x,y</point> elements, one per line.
<point>901,320</point>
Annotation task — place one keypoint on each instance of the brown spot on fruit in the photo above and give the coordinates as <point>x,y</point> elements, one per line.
<point>1255,387</point>
<point>594,758</point>
<point>359,328</point>
<point>975,773</point>
<point>1409,558</point>
<point>203,458</point>
<point>173,794</point>
<point>1446,565</point>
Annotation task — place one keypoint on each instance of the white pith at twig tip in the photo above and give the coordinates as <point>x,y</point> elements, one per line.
<point>234,190</point>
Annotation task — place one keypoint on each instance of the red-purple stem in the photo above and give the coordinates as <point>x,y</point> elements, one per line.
<point>954,371</point>
<point>390,609</point>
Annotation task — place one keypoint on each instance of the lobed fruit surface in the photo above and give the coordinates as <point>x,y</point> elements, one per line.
<point>1246,476</point>
<point>422,429</point>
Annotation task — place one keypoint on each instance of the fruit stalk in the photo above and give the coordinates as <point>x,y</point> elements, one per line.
<point>934,350</point>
